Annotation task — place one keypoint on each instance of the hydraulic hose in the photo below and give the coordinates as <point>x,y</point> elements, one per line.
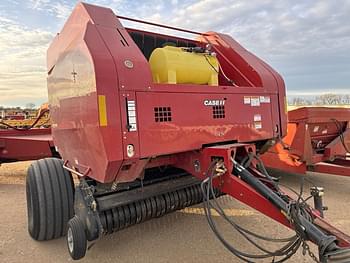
<point>303,226</point>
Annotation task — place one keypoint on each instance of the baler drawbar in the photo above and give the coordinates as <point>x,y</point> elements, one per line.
<point>150,123</point>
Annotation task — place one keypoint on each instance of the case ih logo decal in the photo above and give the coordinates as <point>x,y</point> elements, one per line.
<point>214,102</point>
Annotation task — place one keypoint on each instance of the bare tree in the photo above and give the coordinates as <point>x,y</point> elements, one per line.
<point>346,99</point>
<point>329,99</point>
<point>298,101</point>
<point>30,105</point>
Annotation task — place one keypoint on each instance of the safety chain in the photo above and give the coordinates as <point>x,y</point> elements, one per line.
<point>306,248</point>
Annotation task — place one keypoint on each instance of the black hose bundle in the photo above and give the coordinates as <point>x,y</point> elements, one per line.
<point>341,134</point>
<point>298,212</point>
<point>289,247</point>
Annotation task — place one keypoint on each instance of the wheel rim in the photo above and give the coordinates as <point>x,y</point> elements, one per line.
<point>70,240</point>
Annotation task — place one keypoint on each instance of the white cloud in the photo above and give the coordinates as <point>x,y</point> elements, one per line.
<point>59,9</point>
<point>307,41</point>
<point>22,67</point>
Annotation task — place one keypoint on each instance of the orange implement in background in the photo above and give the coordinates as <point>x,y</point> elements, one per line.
<point>24,119</point>
<point>318,140</point>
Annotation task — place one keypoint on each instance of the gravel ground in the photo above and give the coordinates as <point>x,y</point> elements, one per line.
<point>182,236</point>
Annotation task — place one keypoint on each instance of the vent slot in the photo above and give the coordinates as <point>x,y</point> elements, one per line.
<point>219,112</point>
<point>162,114</point>
<point>120,33</point>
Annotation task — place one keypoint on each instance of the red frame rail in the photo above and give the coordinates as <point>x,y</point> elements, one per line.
<point>233,185</point>
<point>22,145</point>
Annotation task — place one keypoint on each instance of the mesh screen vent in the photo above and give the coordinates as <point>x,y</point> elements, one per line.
<point>219,112</point>
<point>162,114</point>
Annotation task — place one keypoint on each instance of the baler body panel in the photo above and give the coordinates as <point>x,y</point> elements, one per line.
<point>103,99</point>
<point>172,122</point>
<point>81,69</point>
<point>249,70</point>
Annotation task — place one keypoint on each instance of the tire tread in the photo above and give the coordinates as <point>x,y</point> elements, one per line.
<point>79,238</point>
<point>50,189</point>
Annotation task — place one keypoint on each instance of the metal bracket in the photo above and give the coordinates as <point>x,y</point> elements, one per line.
<point>85,207</point>
<point>72,170</point>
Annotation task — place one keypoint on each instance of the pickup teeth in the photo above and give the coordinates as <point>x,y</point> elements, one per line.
<point>127,215</point>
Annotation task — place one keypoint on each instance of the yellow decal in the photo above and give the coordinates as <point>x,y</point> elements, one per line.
<point>285,104</point>
<point>102,110</point>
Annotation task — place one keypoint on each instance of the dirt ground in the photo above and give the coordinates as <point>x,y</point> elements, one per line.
<point>183,236</point>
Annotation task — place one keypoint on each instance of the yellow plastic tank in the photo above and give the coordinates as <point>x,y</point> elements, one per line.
<point>173,65</point>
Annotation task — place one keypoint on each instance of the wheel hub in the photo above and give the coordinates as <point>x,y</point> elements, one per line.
<point>70,239</point>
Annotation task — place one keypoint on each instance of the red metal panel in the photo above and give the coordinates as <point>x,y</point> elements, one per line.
<point>267,77</point>
<point>336,168</point>
<point>319,114</point>
<point>74,98</point>
<point>193,125</point>
<point>25,145</point>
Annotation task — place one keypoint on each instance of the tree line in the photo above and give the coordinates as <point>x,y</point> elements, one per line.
<point>324,99</point>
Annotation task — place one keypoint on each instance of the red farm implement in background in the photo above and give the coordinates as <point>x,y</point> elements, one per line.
<point>23,145</point>
<point>318,140</point>
<point>26,141</point>
<point>151,123</point>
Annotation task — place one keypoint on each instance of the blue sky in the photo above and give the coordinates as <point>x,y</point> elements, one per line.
<point>307,41</point>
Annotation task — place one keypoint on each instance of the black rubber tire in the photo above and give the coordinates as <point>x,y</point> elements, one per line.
<point>50,199</point>
<point>76,240</point>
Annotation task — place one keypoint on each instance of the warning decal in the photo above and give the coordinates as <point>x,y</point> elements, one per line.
<point>255,101</point>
